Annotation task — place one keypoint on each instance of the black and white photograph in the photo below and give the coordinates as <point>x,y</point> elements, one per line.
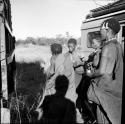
<point>62,61</point>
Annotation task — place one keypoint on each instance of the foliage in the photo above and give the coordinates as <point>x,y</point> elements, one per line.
<point>30,77</point>
<point>29,84</point>
<point>21,110</point>
<point>45,41</point>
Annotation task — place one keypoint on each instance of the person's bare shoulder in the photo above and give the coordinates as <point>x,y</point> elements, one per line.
<point>109,50</point>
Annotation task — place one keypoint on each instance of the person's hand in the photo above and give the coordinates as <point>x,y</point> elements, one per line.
<point>82,63</point>
<point>83,59</point>
<point>49,84</point>
<point>49,75</point>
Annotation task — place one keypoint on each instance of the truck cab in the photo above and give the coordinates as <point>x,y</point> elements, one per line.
<point>94,19</point>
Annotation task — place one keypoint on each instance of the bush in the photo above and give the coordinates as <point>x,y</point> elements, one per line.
<point>29,82</point>
<point>30,77</point>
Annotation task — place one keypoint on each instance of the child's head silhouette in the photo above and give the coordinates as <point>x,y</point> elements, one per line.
<point>61,84</point>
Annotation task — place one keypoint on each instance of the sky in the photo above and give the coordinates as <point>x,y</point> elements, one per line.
<point>48,18</point>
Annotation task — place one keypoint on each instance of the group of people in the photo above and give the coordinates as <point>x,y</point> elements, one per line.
<point>106,79</point>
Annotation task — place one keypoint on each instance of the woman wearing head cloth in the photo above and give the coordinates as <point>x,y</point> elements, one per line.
<point>106,88</point>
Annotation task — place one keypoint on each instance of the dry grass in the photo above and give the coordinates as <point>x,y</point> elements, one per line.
<point>29,83</point>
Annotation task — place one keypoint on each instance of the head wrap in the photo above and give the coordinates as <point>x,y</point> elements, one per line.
<point>111,23</point>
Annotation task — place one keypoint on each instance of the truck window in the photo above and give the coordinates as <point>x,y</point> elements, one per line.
<point>91,36</point>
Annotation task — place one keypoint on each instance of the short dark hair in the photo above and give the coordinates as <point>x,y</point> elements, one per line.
<point>73,41</point>
<point>61,84</point>
<point>113,24</point>
<point>56,48</point>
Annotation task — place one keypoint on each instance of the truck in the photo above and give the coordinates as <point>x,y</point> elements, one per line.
<point>7,58</point>
<point>94,19</point>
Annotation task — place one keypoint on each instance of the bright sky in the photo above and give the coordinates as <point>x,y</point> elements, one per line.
<point>47,18</point>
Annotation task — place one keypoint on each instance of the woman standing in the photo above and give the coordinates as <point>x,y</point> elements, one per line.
<point>106,89</point>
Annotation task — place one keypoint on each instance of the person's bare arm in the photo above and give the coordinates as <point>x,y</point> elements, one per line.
<point>107,59</point>
<point>50,70</point>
